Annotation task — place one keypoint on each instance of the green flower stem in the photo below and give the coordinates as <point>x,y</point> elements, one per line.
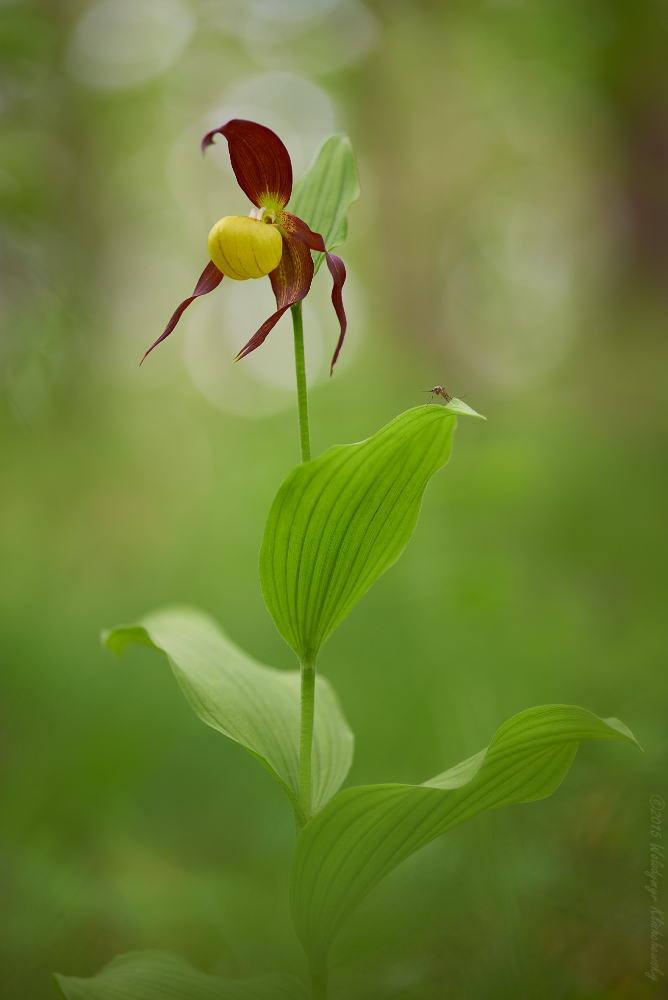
<point>300,370</point>
<point>319,983</point>
<point>307,669</point>
<point>306,737</point>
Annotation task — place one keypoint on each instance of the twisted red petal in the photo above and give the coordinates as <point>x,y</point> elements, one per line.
<point>260,161</point>
<point>210,278</point>
<point>337,269</point>
<point>314,241</point>
<point>291,282</point>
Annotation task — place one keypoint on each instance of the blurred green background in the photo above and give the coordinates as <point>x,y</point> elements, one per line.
<point>511,244</point>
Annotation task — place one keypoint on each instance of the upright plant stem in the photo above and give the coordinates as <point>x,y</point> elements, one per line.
<point>306,737</point>
<point>319,983</point>
<point>300,370</point>
<point>307,669</point>
<point>319,976</point>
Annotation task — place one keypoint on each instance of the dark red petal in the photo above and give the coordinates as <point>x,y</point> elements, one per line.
<point>210,278</point>
<point>314,241</point>
<point>259,159</point>
<point>337,269</point>
<point>291,282</point>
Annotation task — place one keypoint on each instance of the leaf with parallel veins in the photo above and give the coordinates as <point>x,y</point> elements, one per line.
<point>365,832</point>
<point>254,705</point>
<point>340,521</point>
<point>323,196</point>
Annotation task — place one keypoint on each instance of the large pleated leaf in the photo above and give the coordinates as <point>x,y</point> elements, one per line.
<point>339,521</point>
<point>255,705</point>
<point>365,832</point>
<point>160,975</point>
<point>323,196</point>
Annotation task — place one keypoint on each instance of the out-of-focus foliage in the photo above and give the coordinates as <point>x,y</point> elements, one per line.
<point>256,706</point>
<point>365,832</point>
<point>159,975</point>
<point>511,244</point>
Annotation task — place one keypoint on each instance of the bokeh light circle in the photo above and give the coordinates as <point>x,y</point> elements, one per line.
<point>123,43</point>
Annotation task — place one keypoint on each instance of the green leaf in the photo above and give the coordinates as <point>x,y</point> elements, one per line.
<point>160,975</point>
<point>254,705</point>
<point>365,832</point>
<point>463,409</point>
<point>340,521</point>
<point>323,196</point>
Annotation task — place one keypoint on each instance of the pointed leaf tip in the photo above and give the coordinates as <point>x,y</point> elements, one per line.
<point>117,640</point>
<point>458,406</point>
<point>624,730</point>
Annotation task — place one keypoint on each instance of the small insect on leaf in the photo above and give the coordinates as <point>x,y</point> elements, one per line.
<point>438,390</point>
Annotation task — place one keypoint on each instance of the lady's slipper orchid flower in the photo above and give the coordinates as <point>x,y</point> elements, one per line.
<point>269,240</point>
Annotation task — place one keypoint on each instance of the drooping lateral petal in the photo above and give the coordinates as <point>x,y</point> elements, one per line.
<point>260,162</point>
<point>291,282</point>
<point>210,278</point>
<point>337,269</point>
<point>314,241</point>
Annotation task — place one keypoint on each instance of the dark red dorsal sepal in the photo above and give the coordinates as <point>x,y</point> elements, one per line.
<point>260,162</point>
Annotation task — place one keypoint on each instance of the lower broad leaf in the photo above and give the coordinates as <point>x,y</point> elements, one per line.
<point>254,705</point>
<point>365,832</point>
<point>160,975</point>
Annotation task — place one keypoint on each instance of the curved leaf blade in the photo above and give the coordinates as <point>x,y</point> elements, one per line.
<point>323,196</point>
<point>340,521</point>
<point>365,832</point>
<point>160,975</point>
<point>254,705</point>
